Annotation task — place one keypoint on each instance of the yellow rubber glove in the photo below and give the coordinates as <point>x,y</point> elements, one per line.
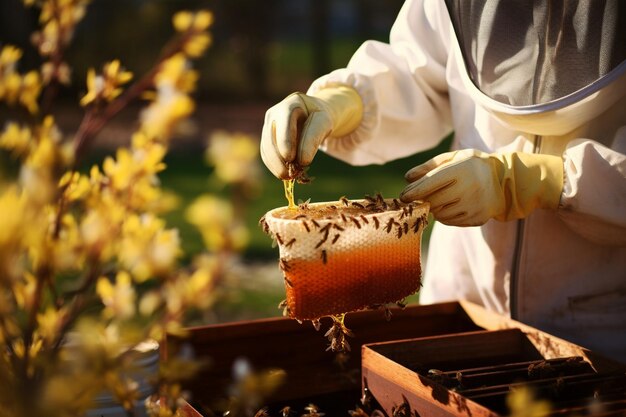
<point>295,127</point>
<point>469,187</point>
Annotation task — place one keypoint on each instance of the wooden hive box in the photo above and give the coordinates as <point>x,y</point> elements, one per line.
<point>312,372</point>
<point>381,359</point>
<point>472,373</point>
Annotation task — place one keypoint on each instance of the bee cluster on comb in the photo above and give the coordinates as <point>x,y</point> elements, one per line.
<point>348,255</point>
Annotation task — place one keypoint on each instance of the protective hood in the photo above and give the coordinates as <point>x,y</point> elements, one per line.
<point>524,53</point>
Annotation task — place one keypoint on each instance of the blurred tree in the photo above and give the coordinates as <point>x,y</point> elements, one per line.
<point>251,27</point>
<point>320,37</point>
<point>261,50</point>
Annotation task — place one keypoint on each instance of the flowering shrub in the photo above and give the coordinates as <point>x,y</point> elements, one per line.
<point>88,269</point>
<point>235,158</point>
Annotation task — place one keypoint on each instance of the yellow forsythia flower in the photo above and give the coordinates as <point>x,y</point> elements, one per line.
<point>147,249</point>
<point>182,21</point>
<point>49,323</point>
<point>76,186</point>
<point>24,291</point>
<point>114,76</point>
<point>197,44</point>
<point>118,298</point>
<point>176,74</point>
<point>215,219</point>
<point>30,91</point>
<point>235,157</point>
<point>105,86</point>
<point>522,403</point>
<point>15,138</point>
<point>186,20</point>
<point>9,56</point>
<point>95,85</point>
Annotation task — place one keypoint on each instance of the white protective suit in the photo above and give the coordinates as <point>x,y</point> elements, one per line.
<point>562,271</point>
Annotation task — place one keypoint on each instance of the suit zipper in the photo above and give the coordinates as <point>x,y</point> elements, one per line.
<point>517,254</point>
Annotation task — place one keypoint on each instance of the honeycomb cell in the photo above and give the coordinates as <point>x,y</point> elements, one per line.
<point>343,256</point>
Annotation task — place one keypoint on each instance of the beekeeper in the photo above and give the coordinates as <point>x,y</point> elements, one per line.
<point>535,93</point>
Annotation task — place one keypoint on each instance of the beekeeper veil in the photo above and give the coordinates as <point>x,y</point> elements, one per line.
<point>525,52</point>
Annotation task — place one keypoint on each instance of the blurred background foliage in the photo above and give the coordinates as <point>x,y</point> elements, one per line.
<point>261,50</point>
<point>260,53</point>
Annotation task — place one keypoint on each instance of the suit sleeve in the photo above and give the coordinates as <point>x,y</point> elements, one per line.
<point>593,202</point>
<point>403,87</point>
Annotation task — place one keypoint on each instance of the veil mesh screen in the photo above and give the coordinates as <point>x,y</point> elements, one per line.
<point>522,52</point>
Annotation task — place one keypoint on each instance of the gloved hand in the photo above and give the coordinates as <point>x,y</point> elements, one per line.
<point>469,187</point>
<point>295,127</point>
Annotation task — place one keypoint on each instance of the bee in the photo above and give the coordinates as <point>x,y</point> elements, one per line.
<point>325,230</point>
<point>388,313</point>
<point>283,306</point>
<point>300,216</point>
<point>344,218</point>
<point>359,412</point>
<point>359,205</point>
<point>324,238</point>
<point>367,396</point>
<point>324,256</point>
<point>402,410</point>
<point>389,225</point>
<point>416,226</point>
<point>364,219</point>
<point>399,232</point>
<point>306,226</point>
<point>376,222</point>
<point>313,411</point>
<point>316,224</point>
<point>336,226</point>
<point>396,204</point>
<point>333,207</point>
<point>317,324</point>
<point>264,225</point>
<point>459,377</point>
<point>304,205</point>
<point>421,222</point>
<point>335,238</point>
<point>283,264</point>
<point>370,198</point>
<point>344,200</point>
<point>410,209</point>
<point>406,227</point>
<point>292,241</point>
<point>358,225</point>
<point>438,376</point>
<point>262,413</point>
<point>288,281</point>
<point>279,239</point>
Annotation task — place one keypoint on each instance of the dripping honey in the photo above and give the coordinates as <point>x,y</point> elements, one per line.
<point>289,186</point>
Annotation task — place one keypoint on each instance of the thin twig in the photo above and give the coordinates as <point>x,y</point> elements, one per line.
<point>92,124</point>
